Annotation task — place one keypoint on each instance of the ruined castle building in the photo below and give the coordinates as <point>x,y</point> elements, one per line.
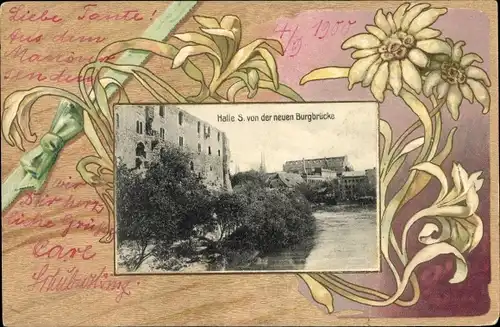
<point>142,130</point>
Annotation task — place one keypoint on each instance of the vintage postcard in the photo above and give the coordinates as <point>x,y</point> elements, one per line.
<point>246,187</point>
<point>249,163</point>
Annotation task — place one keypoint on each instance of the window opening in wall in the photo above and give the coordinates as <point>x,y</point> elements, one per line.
<point>181,118</point>
<point>137,127</point>
<point>162,111</point>
<point>199,127</point>
<point>117,121</point>
<point>218,151</point>
<point>138,163</point>
<point>209,150</point>
<point>210,168</point>
<point>199,148</point>
<point>218,136</point>
<point>191,165</point>
<point>140,150</point>
<point>162,133</point>
<point>181,141</point>
<point>154,144</point>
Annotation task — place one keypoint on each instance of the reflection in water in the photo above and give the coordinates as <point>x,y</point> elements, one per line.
<point>343,241</point>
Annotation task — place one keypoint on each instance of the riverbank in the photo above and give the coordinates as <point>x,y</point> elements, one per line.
<point>343,207</point>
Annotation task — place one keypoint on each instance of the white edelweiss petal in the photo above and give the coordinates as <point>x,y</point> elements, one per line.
<point>371,72</point>
<point>390,19</point>
<point>376,31</point>
<point>457,52</point>
<point>359,69</point>
<point>467,92</point>
<point>379,82</point>
<point>427,33</point>
<point>364,53</point>
<point>395,78</point>
<point>431,81</point>
<point>442,89</point>
<point>480,93</point>
<point>399,13</point>
<point>418,57</point>
<point>449,41</point>
<point>361,41</point>
<point>454,100</point>
<point>411,14</point>
<point>478,74</point>
<point>382,23</point>
<point>434,46</point>
<point>469,58</point>
<point>425,19</point>
<point>411,75</point>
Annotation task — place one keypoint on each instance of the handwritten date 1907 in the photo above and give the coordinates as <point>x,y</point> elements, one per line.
<point>295,36</point>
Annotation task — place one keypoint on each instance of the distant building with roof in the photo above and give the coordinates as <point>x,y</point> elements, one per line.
<point>283,179</point>
<point>319,169</point>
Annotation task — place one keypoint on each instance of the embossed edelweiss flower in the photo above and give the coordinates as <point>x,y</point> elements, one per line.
<point>454,77</point>
<point>392,50</point>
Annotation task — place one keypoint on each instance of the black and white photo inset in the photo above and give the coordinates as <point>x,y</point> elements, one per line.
<point>256,187</point>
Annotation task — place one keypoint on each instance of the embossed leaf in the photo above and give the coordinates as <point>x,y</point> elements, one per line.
<point>421,178</point>
<point>319,293</point>
<point>17,112</point>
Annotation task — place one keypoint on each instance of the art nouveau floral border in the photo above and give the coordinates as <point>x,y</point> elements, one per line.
<point>401,53</point>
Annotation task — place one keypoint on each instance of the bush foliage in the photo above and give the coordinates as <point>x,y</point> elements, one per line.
<point>167,212</point>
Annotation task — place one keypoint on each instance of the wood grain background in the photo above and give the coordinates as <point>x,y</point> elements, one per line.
<point>253,299</point>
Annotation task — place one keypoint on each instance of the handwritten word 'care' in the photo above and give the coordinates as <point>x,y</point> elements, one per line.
<point>65,280</point>
<point>43,249</point>
<point>295,35</point>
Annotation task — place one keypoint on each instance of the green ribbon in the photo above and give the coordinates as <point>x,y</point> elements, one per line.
<point>36,164</point>
<point>66,125</point>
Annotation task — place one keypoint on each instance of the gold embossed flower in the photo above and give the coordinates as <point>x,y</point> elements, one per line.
<point>454,77</point>
<point>393,49</point>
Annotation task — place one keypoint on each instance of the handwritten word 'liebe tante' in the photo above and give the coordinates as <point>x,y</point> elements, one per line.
<point>89,12</point>
<point>64,280</point>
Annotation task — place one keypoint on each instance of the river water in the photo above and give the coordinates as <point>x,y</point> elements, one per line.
<point>345,240</point>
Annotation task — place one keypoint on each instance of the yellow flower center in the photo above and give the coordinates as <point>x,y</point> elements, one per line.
<point>397,46</point>
<point>453,73</point>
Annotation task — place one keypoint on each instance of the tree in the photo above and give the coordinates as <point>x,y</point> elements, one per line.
<point>161,206</point>
<point>251,176</point>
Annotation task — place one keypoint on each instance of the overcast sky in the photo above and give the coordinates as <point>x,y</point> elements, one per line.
<point>353,132</point>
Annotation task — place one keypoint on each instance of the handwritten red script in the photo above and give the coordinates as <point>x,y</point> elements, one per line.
<point>56,279</point>
<point>18,53</point>
<point>294,36</point>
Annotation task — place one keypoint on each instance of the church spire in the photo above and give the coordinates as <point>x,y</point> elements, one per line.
<point>262,167</point>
